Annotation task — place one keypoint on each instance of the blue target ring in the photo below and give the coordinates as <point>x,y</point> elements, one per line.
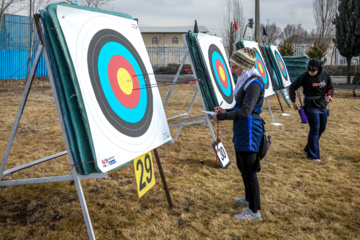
<point>261,67</point>
<point>220,73</point>
<point>281,65</point>
<point>105,46</point>
<point>217,56</point>
<point>133,115</point>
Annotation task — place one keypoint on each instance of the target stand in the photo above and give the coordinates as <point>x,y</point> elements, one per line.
<point>74,175</point>
<point>204,119</point>
<point>199,119</point>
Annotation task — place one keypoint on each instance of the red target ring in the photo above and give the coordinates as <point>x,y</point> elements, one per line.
<point>261,68</point>
<point>220,68</point>
<point>123,81</point>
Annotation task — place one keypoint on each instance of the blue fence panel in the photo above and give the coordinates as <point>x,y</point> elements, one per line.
<point>15,46</point>
<point>13,64</point>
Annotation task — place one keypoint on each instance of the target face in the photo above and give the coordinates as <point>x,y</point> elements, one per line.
<point>218,67</point>
<point>261,67</point>
<point>119,79</point>
<point>220,73</point>
<point>281,66</point>
<point>117,84</point>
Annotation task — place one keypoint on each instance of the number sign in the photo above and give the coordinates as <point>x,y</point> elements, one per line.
<point>221,154</point>
<point>144,173</point>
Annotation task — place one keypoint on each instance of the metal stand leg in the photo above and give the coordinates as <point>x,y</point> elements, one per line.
<point>272,117</point>
<point>75,174</point>
<point>21,109</point>
<point>163,178</point>
<point>176,77</point>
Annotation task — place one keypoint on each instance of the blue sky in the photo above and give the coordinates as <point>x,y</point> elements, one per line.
<point>211,12</point>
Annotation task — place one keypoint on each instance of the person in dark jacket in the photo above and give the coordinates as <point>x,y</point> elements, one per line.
<point>318,91</point>
<point>247,127</point>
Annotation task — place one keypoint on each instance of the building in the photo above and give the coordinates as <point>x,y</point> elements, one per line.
<point>165,45</point>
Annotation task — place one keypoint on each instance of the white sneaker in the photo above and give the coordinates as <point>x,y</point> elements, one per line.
<point>241,201</point>
<point>248,214</point>
<point>315,160</point>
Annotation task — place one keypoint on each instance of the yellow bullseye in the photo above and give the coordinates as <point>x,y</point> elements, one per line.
<point>222,73</point>
<point>125,81</point>
<point>281,65</point>
<point>261,68</point>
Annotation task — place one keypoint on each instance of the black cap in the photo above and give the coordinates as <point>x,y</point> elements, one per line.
<point>314,65</point>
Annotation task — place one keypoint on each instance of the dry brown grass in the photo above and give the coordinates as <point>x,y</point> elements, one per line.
<point>300,199</point>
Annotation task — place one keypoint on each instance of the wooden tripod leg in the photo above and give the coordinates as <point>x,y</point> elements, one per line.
<point>163,178</point>
<point>279,101</point>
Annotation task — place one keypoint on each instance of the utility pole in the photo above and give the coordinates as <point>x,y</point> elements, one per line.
<point>257,20</point>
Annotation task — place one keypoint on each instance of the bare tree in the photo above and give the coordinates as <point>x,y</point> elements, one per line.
<point>91,3</point>
<point>296,34</point>
<point>292,30</point>
<point>324,14</point>
<point>34,7</point>
<point>273,33</point>
<point>234,11</point>
<point>9,6</point>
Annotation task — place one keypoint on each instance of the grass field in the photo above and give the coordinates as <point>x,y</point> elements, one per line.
<point>300,199</point>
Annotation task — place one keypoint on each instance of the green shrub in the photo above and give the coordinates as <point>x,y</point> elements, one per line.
<point>286,48</point>
<point>341,70</point>
<point>316,53</point>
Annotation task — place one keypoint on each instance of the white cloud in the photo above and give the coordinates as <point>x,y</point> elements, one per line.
<point>210,13</point>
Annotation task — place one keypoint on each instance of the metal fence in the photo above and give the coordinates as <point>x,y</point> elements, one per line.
<point>164,55</point>
<point>15,40</point>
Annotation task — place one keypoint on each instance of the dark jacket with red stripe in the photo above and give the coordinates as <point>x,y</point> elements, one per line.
<point>315,89</point>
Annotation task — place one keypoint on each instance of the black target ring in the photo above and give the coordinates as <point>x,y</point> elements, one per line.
<point>128,121</point>
<point>221,77</point>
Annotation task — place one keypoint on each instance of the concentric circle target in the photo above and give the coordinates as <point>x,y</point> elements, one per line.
<point>119,80</point>
<point>281,65</point>
<point>220,73</point>
<point>260,66</point>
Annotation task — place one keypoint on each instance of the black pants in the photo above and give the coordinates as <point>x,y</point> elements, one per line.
<point>248,164</point>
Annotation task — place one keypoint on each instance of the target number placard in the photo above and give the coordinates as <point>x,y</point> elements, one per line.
<point>221,154</point>
<point>144,173</point>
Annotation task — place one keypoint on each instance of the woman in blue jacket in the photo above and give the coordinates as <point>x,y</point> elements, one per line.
<point>318,91</point>
<point>247,128</point>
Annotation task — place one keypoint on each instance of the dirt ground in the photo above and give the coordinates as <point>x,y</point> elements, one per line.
<point>300,199</point>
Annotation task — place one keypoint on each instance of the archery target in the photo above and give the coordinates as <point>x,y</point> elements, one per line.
<point>119,79</point>
<point>261,67</point>
<point>281,66</point>
<point>115,77</point>
<point>218,67</point>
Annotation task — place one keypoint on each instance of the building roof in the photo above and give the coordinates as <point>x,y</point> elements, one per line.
<point>174,29</point>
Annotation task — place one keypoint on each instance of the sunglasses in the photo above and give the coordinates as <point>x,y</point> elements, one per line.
<point>312,69</point>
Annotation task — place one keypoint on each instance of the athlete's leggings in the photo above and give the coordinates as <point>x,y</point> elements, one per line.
<point>248,164</point>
